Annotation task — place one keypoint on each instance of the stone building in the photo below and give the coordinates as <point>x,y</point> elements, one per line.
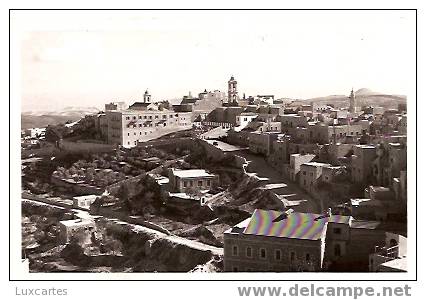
<point>128,127</point>
<point>361,163</point>
<point>81,227</point>
<point>296,160</point>
<point>183,180</point>
<point>310,174</point>
<point>277,242</point>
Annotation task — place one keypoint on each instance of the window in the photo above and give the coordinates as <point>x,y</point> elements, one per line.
<point>164,116</point>
<point>262,253</point>
<point>145,117</point>
<point>134,117</point>
<point>235,250</point>
<point>248,252</point>
<point>140,132</point>
<point>200,183</point>
<point>304,172</point>
<point>128,134</point>
<point>277,254</point>
<point>140,117</point>
<point>127,118</point>
<point>191,183</point>
<point>208,182</point>
<point>308,257</point>
<point>292,256</point>
<point>140,125</point>
<point>185,184</point>
<point>156,117</point>
<point>337,230</point>
<point>337,250</point>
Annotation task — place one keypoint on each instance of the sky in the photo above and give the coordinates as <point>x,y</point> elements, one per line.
<point>88,58</point>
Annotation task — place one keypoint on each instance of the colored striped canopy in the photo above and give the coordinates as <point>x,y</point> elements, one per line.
<point>295,225</point>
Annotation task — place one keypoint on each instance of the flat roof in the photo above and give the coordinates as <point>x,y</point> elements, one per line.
<point>316,164</point>
<point>363,224</point>
<point>85,197</point>
<point>396,264</point>
<point>76,222</point>
<point>365,146</point>
<point>192,173</point>
<point>304,226</point>
<point>223,146</point>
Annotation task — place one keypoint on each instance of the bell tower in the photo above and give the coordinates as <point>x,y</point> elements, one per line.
<point>146,97</point>
<point>232,91</point>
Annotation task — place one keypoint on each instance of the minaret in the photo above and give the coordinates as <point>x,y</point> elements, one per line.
<point>232,91</point>
<point>146,97</point>
<point>352,107</point>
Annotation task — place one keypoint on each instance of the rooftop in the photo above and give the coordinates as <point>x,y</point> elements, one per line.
<point>223,146</point>
<point>84,197</point>
<point>362,224</point>
<point>396,264</point>
<point>366,146</point>
<point>77,222</point>
<point>316,164</point>
<point>339,219</point>
<point>192,173</point>
<point>295,225</point>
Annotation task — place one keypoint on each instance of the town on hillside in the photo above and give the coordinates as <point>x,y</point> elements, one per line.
<point>220,182</point>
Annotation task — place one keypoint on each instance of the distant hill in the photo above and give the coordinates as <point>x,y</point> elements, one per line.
<point>31,119</point>
<point>363,97</point>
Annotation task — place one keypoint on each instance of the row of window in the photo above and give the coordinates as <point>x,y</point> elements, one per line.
<point>140,133</point>
<point>147,125</point>
<point>263,254</point>
<point>191,183</point>
<point>150,117</point>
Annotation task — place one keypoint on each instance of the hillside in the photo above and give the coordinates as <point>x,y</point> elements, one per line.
<point>32,119</point>
<point>363,97</point>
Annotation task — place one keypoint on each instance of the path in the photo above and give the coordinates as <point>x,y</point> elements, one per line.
<point>291,191</point>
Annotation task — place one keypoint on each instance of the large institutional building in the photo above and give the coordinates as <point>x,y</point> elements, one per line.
<point>141,122</point>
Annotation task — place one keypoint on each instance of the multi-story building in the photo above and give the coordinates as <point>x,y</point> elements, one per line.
<point>283,241</point>
<point>143,122</point>
<point>261,142</point>
<point>296,160</point>
<point>361,163</point>
<point>309,175</point>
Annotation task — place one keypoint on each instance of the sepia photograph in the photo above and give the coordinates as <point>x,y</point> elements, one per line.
<point>229,142</point>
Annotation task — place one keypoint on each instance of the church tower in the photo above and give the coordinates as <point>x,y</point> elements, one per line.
<point>352,107</point>
<point>146,97</point>
<point>232,91</point>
